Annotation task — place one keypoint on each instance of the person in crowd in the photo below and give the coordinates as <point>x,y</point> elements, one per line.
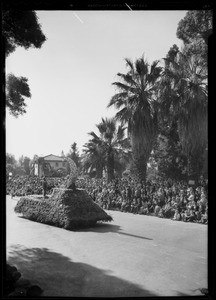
<point>133,205</point>
<point>128,206</point>
<point>156,209</point>
<point>44,184</point>
<point>161,213</point>
<point>204,217</point>
<point>144,208</point>
<point>177,215</point>
<point>123,205</point>
<point>198,215</point>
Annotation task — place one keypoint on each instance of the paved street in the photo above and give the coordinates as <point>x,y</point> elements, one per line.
<point>133,256</point>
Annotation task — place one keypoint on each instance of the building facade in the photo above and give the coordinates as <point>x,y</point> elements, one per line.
<point>50,165</point>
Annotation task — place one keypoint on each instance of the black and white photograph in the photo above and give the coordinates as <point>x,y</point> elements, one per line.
<point>106,151</point>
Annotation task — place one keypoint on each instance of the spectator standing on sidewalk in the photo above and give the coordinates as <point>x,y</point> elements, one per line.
<point>44,184</point>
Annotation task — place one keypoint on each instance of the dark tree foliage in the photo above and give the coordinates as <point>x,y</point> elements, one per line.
<point>17,90</point>
<point>196,24</point>
<point>21,28</point>
<point>109,151</point>
<point>168,154</point>
<point>26,165</point>
<point>11,164</point>
<point>172,52</point>
<point>10,159</point>
<point>184,89</point>
<point>137,103</point>
<point>74,154</point>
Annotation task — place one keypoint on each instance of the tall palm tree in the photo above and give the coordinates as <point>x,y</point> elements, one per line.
<point>137,103</point>
<point>184,95</point>
<point>93,159</point>
<point>110,143</point>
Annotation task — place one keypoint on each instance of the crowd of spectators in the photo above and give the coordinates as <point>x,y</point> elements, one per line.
<point>162,198</point>
<point>29,185</point>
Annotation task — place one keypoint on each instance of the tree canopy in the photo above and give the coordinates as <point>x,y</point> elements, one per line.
<point>104,149</point>
<point>196,24</point>
<point>137,104</point>
<point>74,154</point>
<point>184,99</point>
<point>21,28</point>
<point>17,90</point>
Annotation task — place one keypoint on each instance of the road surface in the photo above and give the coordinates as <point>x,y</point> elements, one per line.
<point>133,256</point>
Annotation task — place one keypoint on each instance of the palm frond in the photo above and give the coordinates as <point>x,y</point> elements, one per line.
<point>123,115</point>
<point>94,135</point>
<point>141,67</point>
<point>124,87</point>
<point>118,100</point>
<point>128,78</point>
<point>130,64</point>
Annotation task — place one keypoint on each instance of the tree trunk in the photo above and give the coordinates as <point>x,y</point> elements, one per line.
<point>141,152</point>
<point>99,172</point>
<point>110,166</point>
<point>140,163</point>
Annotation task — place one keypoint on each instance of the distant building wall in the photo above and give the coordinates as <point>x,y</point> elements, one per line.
<point>53,163</point>
<point>56,164</point>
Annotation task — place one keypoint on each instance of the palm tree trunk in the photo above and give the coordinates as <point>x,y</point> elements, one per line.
<point>110,166</point>
<point>99,172</point>
<point>141,151</point>
<point>140,163</point>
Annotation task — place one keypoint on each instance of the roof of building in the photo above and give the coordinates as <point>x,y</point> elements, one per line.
<point>52,157</point>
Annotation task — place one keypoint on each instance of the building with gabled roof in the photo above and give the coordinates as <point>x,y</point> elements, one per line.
<point>50,165</point>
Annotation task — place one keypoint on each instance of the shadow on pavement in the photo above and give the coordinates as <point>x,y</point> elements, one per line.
<point>57,275</point>
<point>101,227</point>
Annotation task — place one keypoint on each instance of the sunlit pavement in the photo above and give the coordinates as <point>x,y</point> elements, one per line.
<point>133,256</point>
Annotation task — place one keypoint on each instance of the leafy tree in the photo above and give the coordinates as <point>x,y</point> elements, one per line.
<point>196,24</point>
<point>19,28</point>
<point>168,155</point>
<point>93,160</point>
<point>74,154</point>
<point>20,170</point>
<point>110,144</point>
<point>11,164</point>
<point>184,95</point>
<point>21,160</point>
<point>17,168</point>
<point>17,90</point>
<point>10,159</point>
<point>123,160</point>
<point>138,103</point>
<point>171,55</point>
<point>26,164</point>
<point>195,30</point>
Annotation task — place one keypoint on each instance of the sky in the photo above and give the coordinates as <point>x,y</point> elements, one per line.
<point>71,75</point>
